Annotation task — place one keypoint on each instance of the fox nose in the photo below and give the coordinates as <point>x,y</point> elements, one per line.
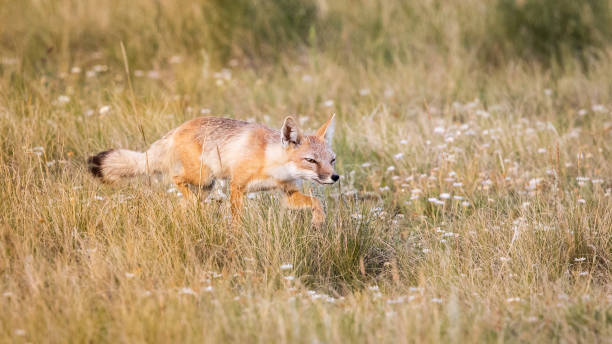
<point>335,177</point>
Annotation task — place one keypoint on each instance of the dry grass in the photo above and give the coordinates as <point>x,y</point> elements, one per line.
<point>524,255</point>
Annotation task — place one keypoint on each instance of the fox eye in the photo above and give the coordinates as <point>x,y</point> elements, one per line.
<point>332,161</point>
<point>312,161</point>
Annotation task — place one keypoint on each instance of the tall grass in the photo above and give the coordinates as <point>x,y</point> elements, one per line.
<point>474,205</point>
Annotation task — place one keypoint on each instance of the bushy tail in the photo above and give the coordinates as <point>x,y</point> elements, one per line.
<point>114,164</point>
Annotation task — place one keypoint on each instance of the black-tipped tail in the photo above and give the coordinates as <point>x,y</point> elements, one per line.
<point>94,163</point>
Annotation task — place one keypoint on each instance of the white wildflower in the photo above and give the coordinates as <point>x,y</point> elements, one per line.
<point>187,291</point>
<point>286,266</point>
<point>364,92</point>
<point>104,109</point>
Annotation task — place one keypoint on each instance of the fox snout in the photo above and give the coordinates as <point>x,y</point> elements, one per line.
<point>328,179</point>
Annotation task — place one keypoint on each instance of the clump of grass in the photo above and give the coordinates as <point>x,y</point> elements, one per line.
<point>553,30</point>
<point>258,29</point>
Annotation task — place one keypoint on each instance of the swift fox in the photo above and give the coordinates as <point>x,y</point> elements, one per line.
<point>251,156</point>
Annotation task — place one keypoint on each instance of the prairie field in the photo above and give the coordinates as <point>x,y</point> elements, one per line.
<point>474,144</point>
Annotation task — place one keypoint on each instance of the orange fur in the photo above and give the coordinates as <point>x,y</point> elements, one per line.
<point>251,156</point>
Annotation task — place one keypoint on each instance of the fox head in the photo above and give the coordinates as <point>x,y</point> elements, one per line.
<point>310,155</point>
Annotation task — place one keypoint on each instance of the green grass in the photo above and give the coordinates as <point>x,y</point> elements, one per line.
<point>526,258</point>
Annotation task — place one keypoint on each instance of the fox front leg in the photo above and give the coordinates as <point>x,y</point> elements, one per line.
<point>236,202</point>
<point>296,200</point>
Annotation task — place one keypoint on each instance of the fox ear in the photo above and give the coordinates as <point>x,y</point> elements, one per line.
<point>290,133</point>
<point>326,132</point>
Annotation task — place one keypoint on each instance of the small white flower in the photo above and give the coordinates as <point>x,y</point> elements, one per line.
<point>513,299</point>
<point>364,92</point>
<point>75,70</point>
<point>204,111</point>
<point>582,112</point>
<point>153,74</point>
<point>20,332</point>
<point>439,130</point>
<point>458,184</point>
<point>436,300</point>
<point>129,275</point>
<point>61,100</point>
<point>99,198</point>
<point>403,142</point>
<point>505,259</point>
<point>547,91</point>
<point>289,278</point>
<point>187,291</point>
<point>541,150</point>
<point>104,109</point>
<point>175,59</point>
<point>435,201</point>
<point>328,103</point>
<point>581,259</point>
<point>306,78</point>
<point>599,108</point>
<point>208,289</point>
<point>100,68</point>
<point>581,201</point>
<point>390,168</point>
<point>398,156</point>
<point>366,164</point>
<point>286,266</point>
<point>445,196</point>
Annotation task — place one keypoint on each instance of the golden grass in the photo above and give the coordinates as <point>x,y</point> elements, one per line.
<point>527,257</point>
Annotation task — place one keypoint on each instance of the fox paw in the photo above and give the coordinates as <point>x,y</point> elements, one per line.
<point>318,219</point>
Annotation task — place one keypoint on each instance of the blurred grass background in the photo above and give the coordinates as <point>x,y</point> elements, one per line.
<point>474,143</point>
<point>59,33</point>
